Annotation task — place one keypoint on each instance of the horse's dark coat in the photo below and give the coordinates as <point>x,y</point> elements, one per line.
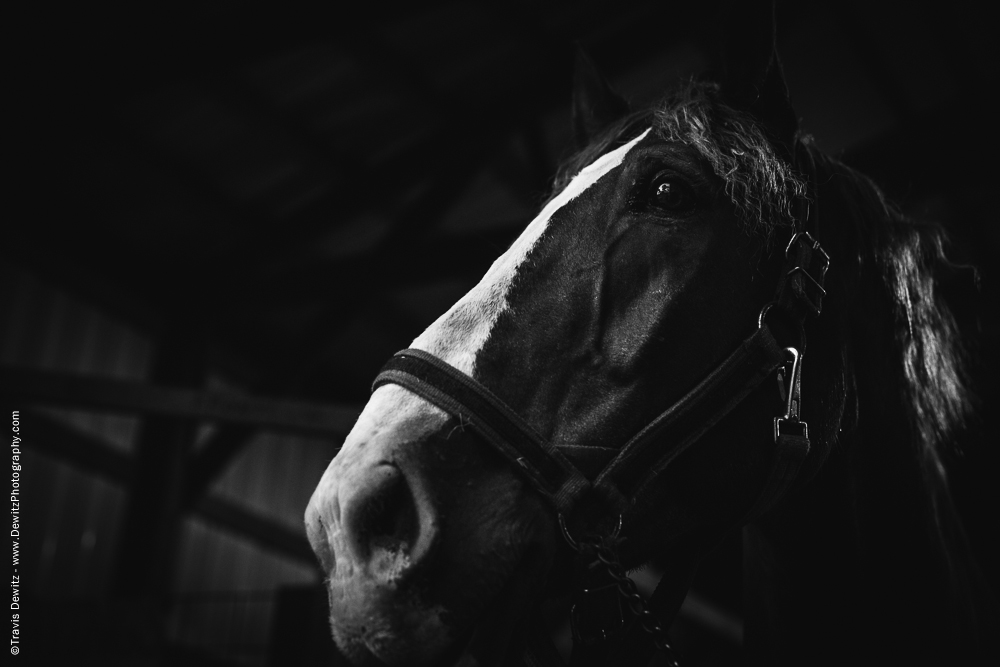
<point>624,304</point>
<point>887,568</point>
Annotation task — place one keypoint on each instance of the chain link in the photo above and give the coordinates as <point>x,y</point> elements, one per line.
<point>637,603</point>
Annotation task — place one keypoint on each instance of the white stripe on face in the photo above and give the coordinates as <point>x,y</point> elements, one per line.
<point>458,335</point>
<point>396,416</point>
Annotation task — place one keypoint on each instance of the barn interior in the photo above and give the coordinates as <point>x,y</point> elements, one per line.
<point>233,214</point>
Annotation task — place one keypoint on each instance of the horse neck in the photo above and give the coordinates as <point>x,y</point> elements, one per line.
<point>868,558</point>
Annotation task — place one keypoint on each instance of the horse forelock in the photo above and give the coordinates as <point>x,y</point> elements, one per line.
<point>761,185</point>
<point>459,334</point>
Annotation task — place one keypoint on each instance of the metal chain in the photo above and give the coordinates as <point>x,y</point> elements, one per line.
<point>637,603</point>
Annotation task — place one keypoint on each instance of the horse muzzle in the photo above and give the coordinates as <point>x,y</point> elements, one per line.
<point>420,529</point>
<point>372,525</point>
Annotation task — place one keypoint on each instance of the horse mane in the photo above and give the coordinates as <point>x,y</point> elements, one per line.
<point>901,365</point>
<point>903,260</point>
<point>905,362</point>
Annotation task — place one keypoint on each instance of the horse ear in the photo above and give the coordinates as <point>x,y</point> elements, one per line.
<point>752,79</point>
<point>595,104</point>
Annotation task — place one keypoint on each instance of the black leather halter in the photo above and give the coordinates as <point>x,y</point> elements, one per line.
<point>615,497</point>
<point>621,486</point>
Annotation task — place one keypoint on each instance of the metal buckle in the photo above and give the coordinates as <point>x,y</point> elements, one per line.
<point>805,273</point>
<point>807,258</point>
<point>814,245</point>
<point>805,238</point>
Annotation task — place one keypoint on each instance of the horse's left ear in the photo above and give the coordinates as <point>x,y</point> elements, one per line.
<point>752,78</point>
<point>595,104</point>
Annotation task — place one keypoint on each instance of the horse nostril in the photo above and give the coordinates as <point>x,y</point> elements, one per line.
<point>391,519</point>
<point>384,518</point>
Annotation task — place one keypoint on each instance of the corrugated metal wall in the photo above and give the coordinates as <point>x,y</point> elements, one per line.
<point>224,587</point>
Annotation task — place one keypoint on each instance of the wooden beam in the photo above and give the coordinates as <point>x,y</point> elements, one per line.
<point>251,526</point>
<point>63,389</point>
<point>91,454</point>
<point>212,458</point>
<point>81,450</point>
<point>149,537</point>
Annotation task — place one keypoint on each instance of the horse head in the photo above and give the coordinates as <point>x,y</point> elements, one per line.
<point>654,259</point>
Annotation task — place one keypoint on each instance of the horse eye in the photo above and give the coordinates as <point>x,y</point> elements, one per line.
<point>672,194</point>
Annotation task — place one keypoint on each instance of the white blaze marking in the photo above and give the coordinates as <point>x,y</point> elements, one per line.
<point>458,335</point>
<point>395,415</point>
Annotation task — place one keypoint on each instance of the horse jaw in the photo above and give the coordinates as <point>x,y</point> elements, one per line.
<point>419,528</point>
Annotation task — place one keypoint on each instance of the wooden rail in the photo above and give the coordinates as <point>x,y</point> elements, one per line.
<point>122,396</point>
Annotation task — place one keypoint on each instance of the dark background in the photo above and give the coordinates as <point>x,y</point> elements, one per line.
<point>269,202</point>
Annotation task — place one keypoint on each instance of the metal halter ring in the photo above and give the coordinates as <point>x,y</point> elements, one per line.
<point>763,313</point>
<point>573,543</point>
<point>800,343</point>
